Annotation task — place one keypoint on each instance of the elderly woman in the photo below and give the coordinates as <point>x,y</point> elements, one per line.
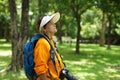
<point>45,68</point>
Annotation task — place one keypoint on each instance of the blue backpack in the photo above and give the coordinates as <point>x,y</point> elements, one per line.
<point>29,57</point>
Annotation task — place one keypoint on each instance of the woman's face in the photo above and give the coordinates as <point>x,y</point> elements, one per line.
<point>51,27</point>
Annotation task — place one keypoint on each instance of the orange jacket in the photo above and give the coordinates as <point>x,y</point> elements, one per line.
<point>43,62</point>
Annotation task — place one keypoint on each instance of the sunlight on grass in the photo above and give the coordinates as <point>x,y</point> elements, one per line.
<point>83,75</point>
<point>6,45</point>
<point>93,62</point>
<point>4,61</point>
<point>109,70</point>
<point>5,53</point>
<point>2,40</point>
<point>10,75</point>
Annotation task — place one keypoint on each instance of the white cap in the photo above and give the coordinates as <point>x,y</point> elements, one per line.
<point>55,17</point>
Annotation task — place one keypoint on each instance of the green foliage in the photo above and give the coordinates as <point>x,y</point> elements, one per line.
<point>69,27</point>
<point>107,5</point>
<point>90,31</point>
<point>118,29</point>
<point>91,23</point>
<point>4,25</point>
<point>116,22</point>
<point>3,6</point>
<point>92,15</point>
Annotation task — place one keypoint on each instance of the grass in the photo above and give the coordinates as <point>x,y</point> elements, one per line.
<point>93,62</point>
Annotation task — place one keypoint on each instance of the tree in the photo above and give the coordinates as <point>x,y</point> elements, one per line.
<point>102,4</point>
<point>113,7</point>
<point>18,39</point>
<point>79,7</point>
<point>14,34</point>
<point>109,29</point>
<point>102,36</point>
<point>108,7</point>
<point>23,35</point>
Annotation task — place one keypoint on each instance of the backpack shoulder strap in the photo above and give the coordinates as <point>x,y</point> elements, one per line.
<point>52,52</point>
<point>36,37</point>
<point>43,35</point>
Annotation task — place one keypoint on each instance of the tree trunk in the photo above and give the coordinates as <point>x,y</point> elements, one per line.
<point>102,36</point>
<point>109,30</point>
<point>14,34</point>
<point>24,30</point>
<point>78,34</point>
<point>18,43</point>
<point>78,19</point>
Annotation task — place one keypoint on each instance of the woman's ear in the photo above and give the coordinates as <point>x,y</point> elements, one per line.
<point>43,30</point>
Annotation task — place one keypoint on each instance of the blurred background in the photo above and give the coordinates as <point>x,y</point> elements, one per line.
<point>82,22</point>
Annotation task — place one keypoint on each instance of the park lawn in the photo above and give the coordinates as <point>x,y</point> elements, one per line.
<point>93,62</point>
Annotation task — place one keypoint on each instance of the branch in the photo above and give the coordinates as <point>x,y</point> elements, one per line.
<point>6,69</point>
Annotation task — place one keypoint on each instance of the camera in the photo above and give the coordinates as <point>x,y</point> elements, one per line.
<point>65,74</point>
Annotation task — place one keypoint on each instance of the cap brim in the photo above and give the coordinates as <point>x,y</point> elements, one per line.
<point>55,17</point>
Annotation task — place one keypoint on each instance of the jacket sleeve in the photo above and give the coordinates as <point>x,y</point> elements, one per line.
<point>41,56</point>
